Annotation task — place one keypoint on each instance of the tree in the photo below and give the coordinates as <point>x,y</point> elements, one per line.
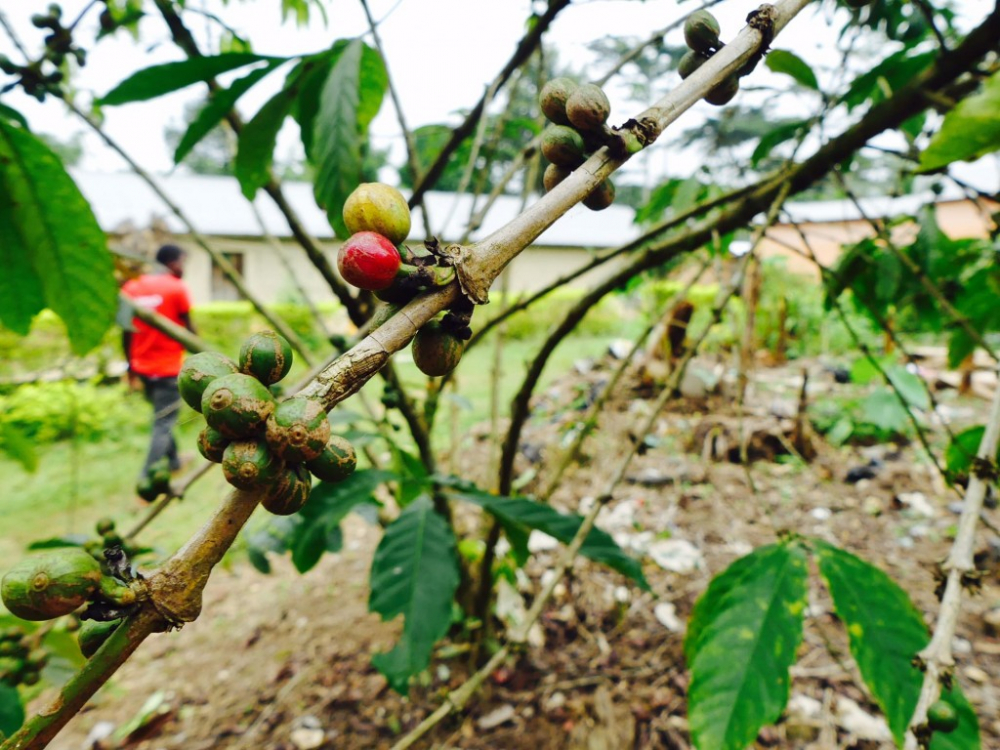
<point>57,259</point>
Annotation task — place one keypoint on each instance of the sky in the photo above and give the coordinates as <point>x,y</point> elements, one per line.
<point>440,54</point>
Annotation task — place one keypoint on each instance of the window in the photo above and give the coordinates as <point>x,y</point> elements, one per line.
<point>223,290</point>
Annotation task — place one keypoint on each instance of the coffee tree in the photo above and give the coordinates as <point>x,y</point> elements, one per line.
<point>937,89</point>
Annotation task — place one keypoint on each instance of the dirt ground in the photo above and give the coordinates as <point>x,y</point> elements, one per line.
<point>282,661</point>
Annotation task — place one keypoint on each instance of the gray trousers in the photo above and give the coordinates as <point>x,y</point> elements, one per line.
<point>162,393</point>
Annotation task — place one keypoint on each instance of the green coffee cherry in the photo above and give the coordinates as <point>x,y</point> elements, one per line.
<point>237,405</point>
<point>289,493</point>
<point>298,429</point>
<point>267,356</point>
<point>337,461</point>
<point>198,372</point>
<point>249,464</point>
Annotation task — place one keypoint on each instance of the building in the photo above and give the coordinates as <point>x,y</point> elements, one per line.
<point>256,238</point>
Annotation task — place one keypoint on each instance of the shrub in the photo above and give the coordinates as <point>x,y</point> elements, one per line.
<point>64,409</point>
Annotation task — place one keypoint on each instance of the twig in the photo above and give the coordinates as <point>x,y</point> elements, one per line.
<point>524,49</point>
<point>411,146</point>
<point>653,38</point>
<point>936,658</point>
<point>863,347</point>
<point>457,699</point>
<point>589,421</point>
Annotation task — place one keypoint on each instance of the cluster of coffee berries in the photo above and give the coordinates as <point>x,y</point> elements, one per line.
<point>45,75</point>
<point>263,444</point>
<point>57,582</point>
<point>579,116</point>
<point>701,33</point>
<point>21,661</point>
<point>155,482</point>
<point>378,218</point>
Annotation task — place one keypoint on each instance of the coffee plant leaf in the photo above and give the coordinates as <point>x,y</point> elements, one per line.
<point>520,511</point>
<point>888,76</point>
<point>315,529</point>
<point>158,80</point>
<point>255,148</point>
<point>350,98</point>
<point>11,710</point>
<point>969,131</point>
<point>745,636</point>
<point>886,631</point>
<point>216,108</point>
<point>775,137</point>
<point>414,574</point>
<point>329,503</point>
<point>11,114</point>
<point>54,253</point>
<point>783,61</point>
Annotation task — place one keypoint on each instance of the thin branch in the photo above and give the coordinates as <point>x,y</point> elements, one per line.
<point>653,38</point>
<point>13,36</point>
<point>873,360</point>
<point>936,658</point>
<point>588,423</point>
<point>190,341</point>
<point>458,698</point>
<point>411,145</point>
<point>523,51</point>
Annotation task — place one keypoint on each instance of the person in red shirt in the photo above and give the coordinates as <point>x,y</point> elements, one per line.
<point>154,358</point>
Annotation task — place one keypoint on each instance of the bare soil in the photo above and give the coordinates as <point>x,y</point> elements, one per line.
<point>282,661</point>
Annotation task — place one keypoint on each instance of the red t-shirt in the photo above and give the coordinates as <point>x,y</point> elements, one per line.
<point>154,353</point>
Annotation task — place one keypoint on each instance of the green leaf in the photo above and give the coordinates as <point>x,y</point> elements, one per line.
<point>966,735</point>
<point>329,503</point>
<point>9,113</point>
<point>51,246</point>
<point>414,574</point>
<point>255,149</point>
<point>886,631</point>
<point>220,103</point>
<point>888,76</point>
<point>351,96</point>
<point>883,410</point>
<point>158,80</point>
<point>963,448</point>
<point>960,346</point>
<point>312,75</point>
<point>598,546</point>
<point>783,61</point>
<point>11,710</point>
<point>18,445</point>
<point>776,136</point>
<point>746,630</point>
<point>969,131</point>
<point>910,387</point>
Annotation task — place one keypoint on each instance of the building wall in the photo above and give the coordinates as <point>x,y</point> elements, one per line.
<point>271,278</point>
<point>957,219</point>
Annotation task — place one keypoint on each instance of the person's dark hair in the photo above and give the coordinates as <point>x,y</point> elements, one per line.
<point>168,254</point>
